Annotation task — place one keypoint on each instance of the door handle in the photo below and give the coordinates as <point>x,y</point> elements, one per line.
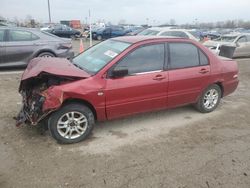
<point>159,77</point>
<point>203,71</point>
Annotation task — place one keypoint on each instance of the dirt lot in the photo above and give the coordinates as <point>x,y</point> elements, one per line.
<point>178,148</point>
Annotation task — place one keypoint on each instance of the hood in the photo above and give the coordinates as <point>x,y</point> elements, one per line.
<point>212,43</point>
<point>53,66</point>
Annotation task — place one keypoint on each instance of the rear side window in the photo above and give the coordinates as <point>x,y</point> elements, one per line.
<point>144,59</point>
<point>183,55</point>
<point>18,35</point>
<point>248,38</point>
<point>1,35</point>
<point>242,39</point>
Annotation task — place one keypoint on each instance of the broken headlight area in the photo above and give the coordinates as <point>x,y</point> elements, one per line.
<point>33,93</point>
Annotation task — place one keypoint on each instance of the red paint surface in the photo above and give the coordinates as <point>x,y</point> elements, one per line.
<point>135,94</point>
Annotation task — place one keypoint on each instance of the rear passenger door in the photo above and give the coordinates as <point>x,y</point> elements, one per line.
<point>189,73</point>
<point>2,45</point>
<point>20,47</point>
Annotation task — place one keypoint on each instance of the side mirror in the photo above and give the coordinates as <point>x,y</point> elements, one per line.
<point>119,72</point>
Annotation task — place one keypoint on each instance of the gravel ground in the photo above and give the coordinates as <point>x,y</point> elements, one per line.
<point>179,148</point>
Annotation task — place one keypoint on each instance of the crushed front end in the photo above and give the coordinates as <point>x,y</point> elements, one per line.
<point>35,94</point>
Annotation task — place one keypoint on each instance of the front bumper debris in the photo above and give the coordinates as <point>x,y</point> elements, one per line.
<point>31,111</point>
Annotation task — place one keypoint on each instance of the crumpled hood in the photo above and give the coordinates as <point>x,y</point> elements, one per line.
<point>54,66</point>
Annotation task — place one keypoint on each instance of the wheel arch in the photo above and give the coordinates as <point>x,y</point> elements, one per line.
<point>45,50</point>
<point>81,101</point>
<point>221,87</point>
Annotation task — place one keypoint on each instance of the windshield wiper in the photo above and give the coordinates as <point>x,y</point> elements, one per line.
<point>78,66</point>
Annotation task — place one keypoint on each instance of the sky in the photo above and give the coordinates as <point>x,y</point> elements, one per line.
<point>153,12</point>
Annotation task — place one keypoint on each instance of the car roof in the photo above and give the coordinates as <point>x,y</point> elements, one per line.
<point>141,38</point>
<point>20,28</point>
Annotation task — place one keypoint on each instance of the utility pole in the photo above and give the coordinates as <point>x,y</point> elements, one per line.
<point>49,12</point>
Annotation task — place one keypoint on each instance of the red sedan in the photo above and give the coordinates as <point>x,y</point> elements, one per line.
<point>120,77</point>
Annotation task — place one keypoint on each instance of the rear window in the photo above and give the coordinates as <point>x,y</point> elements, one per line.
<point>149,32</point>
<point>18,35</point>
<point>175,34</point>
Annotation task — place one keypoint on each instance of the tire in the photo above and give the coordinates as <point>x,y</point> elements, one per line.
<point>71,132</point>
<point>99,37</point>
<point>209,100</point>
<point>46,54</point>
<point>73,37</point>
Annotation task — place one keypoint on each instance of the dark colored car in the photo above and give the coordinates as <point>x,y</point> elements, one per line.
<point>108,32</point>
<point>63,31</point>
<point>19,45</point>
<point>120,77</point>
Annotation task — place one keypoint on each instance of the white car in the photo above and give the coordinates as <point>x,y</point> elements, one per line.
<point>170,32</point>
<point>241,41</point>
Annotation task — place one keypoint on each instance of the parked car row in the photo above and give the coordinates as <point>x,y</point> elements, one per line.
<point>62,31</point>
<point>168,32</point>
<point>19,45</point>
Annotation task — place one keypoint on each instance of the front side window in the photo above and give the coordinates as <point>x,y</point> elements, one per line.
<point>183,55</point>
<point>1,35</point>
<point>203,58</point>
<point>96,57</point>
<point>18,35</point>
<point>144,59</point>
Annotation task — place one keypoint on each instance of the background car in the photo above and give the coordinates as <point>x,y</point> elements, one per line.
<point>168,32</point>
<point>19,45</point>
<point>241,41</point>
<point>62,31</point>
<point>134,31</point>
<point>108,32</point>
<point>154,73</point>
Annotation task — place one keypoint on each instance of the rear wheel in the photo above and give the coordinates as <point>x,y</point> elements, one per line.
<point>73,37</point>
<point>46,54</point>
<point>209,99</point>
<point>99,37</point>
<point>71,124</point>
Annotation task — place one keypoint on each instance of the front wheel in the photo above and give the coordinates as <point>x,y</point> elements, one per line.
<point>71,124</point>
<point>209,99</point>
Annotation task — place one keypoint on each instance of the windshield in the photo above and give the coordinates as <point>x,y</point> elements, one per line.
<point>226,38</point>
<point>95,58</point>
<point>149,32</point>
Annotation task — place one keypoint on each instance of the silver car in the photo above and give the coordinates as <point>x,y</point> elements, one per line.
<point>240,41</point>
<point>19,45</point>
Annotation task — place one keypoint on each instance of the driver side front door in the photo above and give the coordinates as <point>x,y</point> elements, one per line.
<point>143,89</point>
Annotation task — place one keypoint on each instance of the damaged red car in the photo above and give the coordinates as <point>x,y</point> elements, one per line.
<point>120,77</point>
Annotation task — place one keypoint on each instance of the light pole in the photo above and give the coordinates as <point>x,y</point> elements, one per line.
<point>49,12</point>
